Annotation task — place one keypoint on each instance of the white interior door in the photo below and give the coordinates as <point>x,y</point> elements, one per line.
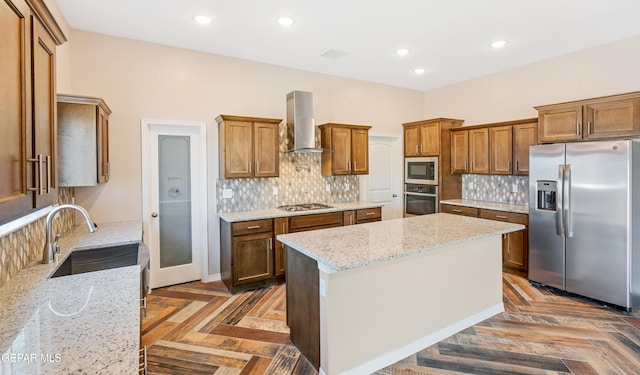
<point>174,200</point>
<point>383,184</point>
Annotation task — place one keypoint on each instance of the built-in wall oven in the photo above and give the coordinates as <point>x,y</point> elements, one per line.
<point>420,199</point>
<point>421,170</point>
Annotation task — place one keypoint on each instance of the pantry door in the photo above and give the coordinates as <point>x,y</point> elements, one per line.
<point>174,200</point>
<point>383,184</point>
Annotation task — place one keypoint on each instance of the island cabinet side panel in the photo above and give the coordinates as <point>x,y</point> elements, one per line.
<point>303,304</point>
<point>412,302</point>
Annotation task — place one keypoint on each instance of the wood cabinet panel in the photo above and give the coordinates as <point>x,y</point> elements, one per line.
<point>422,138</point>
<point>509,217</point>
<point>368,215</point>
<point>347,149</point>
<point>459,151</point>
<point>479,151</point>
<point>252,258</point>
<point>524,135</point>
<point>315,221</point>
<point>248,146</point>
<point>247,227</point>
<point>280,226</point>
<point>348,217</point>
<point>411,140</point>
<point>501,146</point>
<point>459,210</point>
<point>515,254</point>
<point>560,124</point>
<point>611,119</point>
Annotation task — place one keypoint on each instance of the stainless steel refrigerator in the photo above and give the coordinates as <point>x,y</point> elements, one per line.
<point>584,219</point>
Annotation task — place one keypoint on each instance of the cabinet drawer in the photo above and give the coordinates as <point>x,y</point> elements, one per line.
<point>369,214</point>
<point>316,221</point>
<point>459,210</point>
<point>253,226</point>
<point>505,216</point>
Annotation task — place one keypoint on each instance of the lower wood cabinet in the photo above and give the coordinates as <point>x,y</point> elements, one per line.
<point>250,255</point>
<point>515,245</point>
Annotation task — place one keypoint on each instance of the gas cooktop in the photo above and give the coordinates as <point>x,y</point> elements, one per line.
<point>304,207</point>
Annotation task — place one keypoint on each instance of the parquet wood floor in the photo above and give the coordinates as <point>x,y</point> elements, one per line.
<point>200,328</point>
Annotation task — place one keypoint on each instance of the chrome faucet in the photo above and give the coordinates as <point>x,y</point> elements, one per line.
<point>48,253</point>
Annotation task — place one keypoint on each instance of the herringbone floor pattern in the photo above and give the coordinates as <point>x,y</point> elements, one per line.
<point>199,328</point>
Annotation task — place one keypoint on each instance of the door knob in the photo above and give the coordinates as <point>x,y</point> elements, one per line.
<point>154,214</point>
<point>394,195</point>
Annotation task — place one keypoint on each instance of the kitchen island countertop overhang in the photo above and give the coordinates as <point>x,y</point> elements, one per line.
<point>363,297</point>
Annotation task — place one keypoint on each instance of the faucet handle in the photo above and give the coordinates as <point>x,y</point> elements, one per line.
<point>56,247</point>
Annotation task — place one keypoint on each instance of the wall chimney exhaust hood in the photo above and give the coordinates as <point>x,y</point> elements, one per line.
<point>301,126</point>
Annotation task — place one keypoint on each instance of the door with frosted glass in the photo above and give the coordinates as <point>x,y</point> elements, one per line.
<point>174,224</point>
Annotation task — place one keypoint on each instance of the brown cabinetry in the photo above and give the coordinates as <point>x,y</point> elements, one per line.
<point>422,139</point>
<point>501,149</point>
<point>280,226</point>
<point>248,147</point>
<point>524,135</point>
<point>615,116</point>
<point>29,36</point>
<point>515,245</point>
<point>83,140</point>
<point>470,151</point>
<point>368,215</point>
<point>347,149</point>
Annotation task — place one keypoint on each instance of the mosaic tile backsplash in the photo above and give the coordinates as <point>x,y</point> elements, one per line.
<point>23,247</point>
<point>496,188</point>
<point>300,181</point>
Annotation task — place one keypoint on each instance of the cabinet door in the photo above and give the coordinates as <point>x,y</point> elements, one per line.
<point>459,151</point>
<point>252,258</point>
<point>524,135</point>
<point>412,140</point>
<point>341,155</point>
<point>102,142</point>
<point>348,217</point>
<point>266,152</point>
<point>430,139</point>
<point>238,149</point>
<point>500,146</point>
<point>560,124</point>
<point>280,226</point>
<point>14,115</point>
<point>514,252</point>
<point>459,210</point>
<point>618,118</point>
<point>479,151</point>
<point>44,114</point>
<point>360,151</point>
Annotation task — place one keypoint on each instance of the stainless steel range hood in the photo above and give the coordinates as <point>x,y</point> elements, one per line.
<point>301,126</point>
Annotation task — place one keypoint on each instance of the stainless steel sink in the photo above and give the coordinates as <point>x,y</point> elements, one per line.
<point>103,258</point>
<point>304,206</point>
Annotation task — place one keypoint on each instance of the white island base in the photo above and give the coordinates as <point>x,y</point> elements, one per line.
<point>372,316</point>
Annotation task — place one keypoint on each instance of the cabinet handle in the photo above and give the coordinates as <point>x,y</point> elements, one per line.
<point>470,165</point>
<point>369,213</point>
<point>48,161</point>
<point>420,149</point>
<point>269,244</point>
<point>143,306</point>
<point>253,227</point>
<point>465,165</point>
<point>142,366</point>
<point>501,217</point>
<point>39,186</point>
<point>589,127</point>
<point>517,166</point>
<point>249,166</point>
<point>578,128</point>
<point>509,165</point>
<point>456,210</point>
<point>417,152</point>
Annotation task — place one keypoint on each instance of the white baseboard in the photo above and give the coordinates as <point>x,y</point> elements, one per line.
<point>424,342</point>
<point>211,278</point>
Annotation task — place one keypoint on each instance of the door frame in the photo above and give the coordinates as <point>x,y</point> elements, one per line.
<point>199,189</point>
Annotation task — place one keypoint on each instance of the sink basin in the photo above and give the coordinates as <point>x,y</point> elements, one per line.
<point>103,258</point>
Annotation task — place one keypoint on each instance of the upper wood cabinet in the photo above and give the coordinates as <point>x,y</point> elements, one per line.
<point>470,151</point>
<point>422,138</point>
<point>249,146</point>
<point>498,148</point>
<point>613,116</point>
<point>524,135</point>
<point>347,149</point>
<point>29,36</point>
<point>83,140</point>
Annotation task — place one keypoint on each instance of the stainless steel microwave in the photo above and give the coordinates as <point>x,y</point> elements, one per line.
<point>422,170</point>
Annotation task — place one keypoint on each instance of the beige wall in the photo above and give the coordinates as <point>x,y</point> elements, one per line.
<point>510,95</point>
<point>139,79</point>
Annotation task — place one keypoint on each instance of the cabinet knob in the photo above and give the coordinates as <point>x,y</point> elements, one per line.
<point>154,214</point>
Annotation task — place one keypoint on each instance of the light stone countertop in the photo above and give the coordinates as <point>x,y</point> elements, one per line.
<point>355,246</point>
<point>83,324</point>
<point>506,207</point>
<point>270,213</point>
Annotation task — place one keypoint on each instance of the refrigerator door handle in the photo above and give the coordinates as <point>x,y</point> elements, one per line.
<point>560,203</point>
<point>567,201</point>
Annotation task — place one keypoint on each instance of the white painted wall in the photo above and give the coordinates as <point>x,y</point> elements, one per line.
<point>510,95</point>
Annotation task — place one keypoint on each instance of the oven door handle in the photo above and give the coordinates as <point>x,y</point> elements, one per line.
<point>421,194</point>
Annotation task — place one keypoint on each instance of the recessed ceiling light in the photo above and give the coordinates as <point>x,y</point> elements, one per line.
<point>286,21</point>
<point>403,51</point>
<point>419,70</point>
<point>203,20</point>
<point>499,43</point>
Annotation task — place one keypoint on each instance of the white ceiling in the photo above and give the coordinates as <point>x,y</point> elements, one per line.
<point>449,38</point>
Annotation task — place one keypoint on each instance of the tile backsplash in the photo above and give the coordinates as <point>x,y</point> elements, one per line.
<point>496,188</point>
<point>23,247</point>
<point>300,181</point>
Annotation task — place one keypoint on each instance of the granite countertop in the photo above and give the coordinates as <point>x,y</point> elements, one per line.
<point>86,324</point>
<point>354,246</point>
<point>506,207</point>
<point>270,213</point>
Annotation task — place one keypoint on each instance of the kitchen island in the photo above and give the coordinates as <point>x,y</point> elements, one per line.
<point>362,297</point>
